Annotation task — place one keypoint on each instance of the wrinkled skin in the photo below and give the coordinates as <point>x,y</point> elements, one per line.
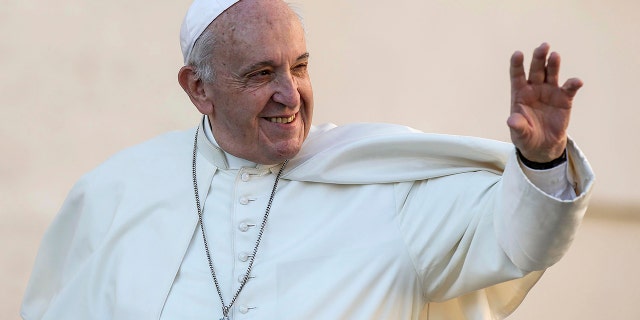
<point>540,109</point>
<point>260,103</point>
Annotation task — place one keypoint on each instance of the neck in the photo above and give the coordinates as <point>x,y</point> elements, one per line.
<point>233,161</point>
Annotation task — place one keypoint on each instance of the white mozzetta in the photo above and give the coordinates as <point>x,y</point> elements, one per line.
<point>370,221</point>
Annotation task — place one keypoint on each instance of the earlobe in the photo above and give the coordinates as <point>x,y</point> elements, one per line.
<point>194,87</point>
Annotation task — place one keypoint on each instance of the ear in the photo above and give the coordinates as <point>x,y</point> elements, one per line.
<point>194,87</point>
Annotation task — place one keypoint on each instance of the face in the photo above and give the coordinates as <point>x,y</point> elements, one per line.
<point>261,96</point>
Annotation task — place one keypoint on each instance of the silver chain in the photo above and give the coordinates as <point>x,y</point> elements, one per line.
<point>245,278</point>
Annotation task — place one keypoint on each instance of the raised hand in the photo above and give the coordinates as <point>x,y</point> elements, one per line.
<point>540,109</point>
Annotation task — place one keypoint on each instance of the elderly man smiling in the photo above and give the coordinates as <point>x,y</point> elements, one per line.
<point>255,214</point>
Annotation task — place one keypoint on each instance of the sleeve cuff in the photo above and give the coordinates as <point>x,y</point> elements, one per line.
<point>554,181</point>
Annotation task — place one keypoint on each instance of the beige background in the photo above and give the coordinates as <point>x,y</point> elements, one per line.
<point>80,80</point>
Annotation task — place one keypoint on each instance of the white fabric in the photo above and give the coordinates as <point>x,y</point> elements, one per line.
<point>233,162</point>
<point>192,290</point>
<point>556,182</point>
<point>354,233</point>
<point>199,15</point>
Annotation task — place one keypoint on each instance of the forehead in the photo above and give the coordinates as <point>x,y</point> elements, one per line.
<point>258,28</point>
<point>256,11</point>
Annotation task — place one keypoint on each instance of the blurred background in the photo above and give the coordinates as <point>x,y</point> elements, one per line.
<point>82,79</point>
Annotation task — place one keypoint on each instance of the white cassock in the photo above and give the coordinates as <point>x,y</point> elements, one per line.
<point>370,221</point>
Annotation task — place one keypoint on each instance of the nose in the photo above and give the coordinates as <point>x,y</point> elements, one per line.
<point>287,91</point>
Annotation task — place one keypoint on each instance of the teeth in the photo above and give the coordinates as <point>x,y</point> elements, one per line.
<point>282,120</point>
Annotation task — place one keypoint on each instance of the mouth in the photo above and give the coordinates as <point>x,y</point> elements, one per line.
<point>281,119</point>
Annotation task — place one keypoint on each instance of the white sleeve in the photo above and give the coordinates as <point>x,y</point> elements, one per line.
<point>489,238</point>
<point>556,182</point>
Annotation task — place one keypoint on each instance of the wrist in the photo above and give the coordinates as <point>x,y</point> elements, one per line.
<point>542,165</point>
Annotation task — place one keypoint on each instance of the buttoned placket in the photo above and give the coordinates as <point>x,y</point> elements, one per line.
<point>252,190</point>
<point>244,210</point>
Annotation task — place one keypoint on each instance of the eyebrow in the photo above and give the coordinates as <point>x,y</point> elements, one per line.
<point>265,63</point>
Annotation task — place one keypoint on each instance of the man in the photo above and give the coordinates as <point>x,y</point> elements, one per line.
<point>257,215</point>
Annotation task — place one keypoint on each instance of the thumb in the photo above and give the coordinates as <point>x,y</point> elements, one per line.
<point>518,125</point>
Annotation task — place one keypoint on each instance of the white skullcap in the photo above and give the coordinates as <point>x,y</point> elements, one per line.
<point>198,17</point>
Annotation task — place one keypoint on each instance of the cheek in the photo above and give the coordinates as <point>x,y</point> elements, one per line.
<point>306,94</point>
<point>243,124</point>
<point>306,91</point>
<point>242,112</point>
<point>236,122</point>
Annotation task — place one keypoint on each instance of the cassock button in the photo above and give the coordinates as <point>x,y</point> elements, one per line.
<point>243,227</point>
<point>243,309</point>
<point>245,177</point>
<point>244,200</point>
<point>241,278</point>
<point>243,256</point>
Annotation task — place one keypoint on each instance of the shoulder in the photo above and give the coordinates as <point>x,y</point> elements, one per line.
<point>358,129</point>
<point>329,135</point>
<point>153,158</point>
<point>382,153</point>
<point>166,145</point>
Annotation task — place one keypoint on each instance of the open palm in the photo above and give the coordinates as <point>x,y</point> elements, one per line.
<point>540,109</point>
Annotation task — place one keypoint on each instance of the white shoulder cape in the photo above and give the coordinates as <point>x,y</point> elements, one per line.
<point>331,154</point>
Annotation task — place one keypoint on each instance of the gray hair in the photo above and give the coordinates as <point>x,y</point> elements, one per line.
<point>201,58</point>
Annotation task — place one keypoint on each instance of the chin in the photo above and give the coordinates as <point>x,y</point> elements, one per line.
<point>288,154</point>
<point>283,154</point>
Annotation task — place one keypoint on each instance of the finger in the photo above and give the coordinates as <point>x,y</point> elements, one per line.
<point>571,87</point>
<point>553,69</point>
<point>516,70</point>
<point>537,71</point>
<point>517,123</point>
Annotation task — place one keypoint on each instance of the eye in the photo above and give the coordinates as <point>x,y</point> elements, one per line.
<point>260,73</point>
<point>300,68</point>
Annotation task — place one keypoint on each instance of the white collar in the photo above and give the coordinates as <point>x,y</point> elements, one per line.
<point>232,161</point>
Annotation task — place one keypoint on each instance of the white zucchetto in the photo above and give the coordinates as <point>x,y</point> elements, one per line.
<point>200,14</point>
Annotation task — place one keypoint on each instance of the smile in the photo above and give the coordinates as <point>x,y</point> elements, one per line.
<point>282,120</point>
